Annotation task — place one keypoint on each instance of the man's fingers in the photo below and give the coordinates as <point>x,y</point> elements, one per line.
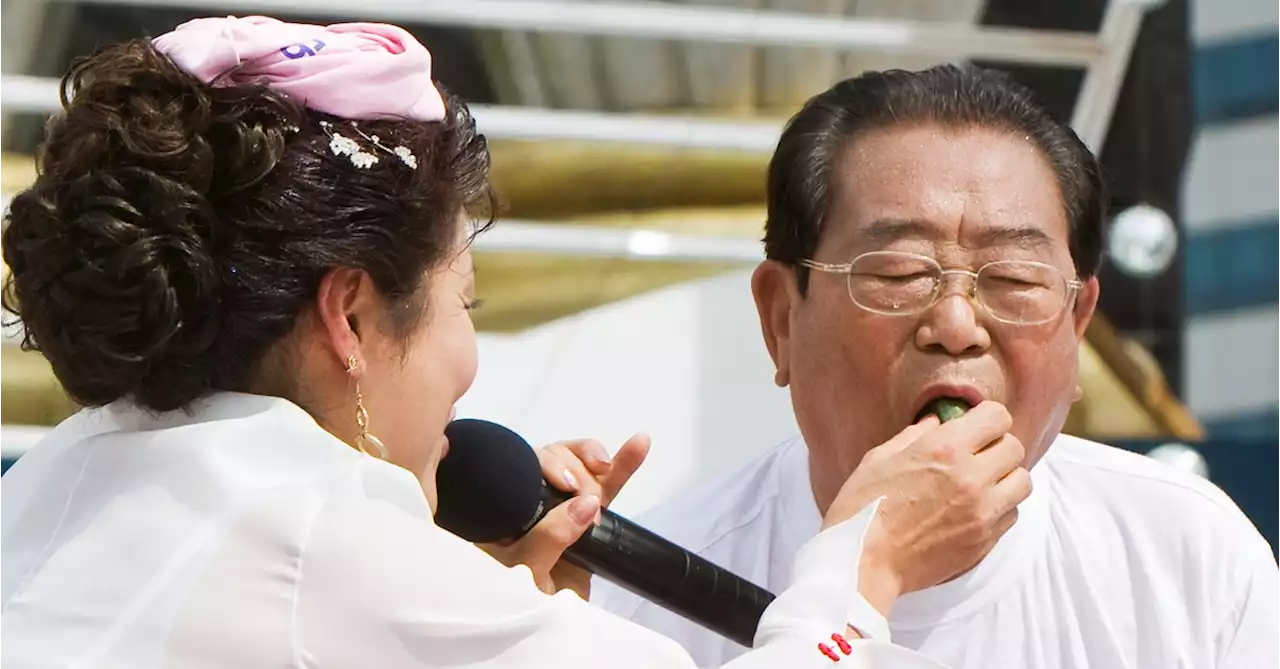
<point>910,434</point>
<point>916,430</point>
<point>1009,492</point>
<point>978,428</point>
<point>1003,525</point>
<point>625,463</point>
<point>1001,458</point>
<point>542,547</point>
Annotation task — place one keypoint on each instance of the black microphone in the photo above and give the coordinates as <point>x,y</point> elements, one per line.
<point>490,488</point>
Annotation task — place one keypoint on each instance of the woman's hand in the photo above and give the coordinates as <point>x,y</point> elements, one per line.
<point>584,468</point>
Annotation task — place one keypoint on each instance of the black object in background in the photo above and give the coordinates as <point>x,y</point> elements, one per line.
<point>490,487</point>
<point>1143,156</point>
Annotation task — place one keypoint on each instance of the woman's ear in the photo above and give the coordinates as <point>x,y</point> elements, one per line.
<point>341,301</point>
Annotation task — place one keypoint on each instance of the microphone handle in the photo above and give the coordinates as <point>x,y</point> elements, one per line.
<point>656,569</point>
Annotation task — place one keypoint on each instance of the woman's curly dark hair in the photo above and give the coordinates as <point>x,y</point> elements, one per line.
<point>176,230</point>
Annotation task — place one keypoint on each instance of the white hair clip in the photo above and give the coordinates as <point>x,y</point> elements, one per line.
<point>342,145</point>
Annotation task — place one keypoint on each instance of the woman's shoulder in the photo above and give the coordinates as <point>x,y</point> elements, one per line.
<point>380,585</point>
<point>376,567</point>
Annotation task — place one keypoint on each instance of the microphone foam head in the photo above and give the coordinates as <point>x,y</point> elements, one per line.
<point>489,485</point>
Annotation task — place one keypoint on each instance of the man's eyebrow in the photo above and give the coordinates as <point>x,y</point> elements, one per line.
<point>886,230</point>
<point>1028,237</point>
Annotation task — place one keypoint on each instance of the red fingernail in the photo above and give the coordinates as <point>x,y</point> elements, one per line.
<point>844,645</point>
<point>826,650</point>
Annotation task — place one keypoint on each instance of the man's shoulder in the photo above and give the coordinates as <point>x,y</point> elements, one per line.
<point>1104,469</point>
<point>1174,529</point>
<point>1144,494</point>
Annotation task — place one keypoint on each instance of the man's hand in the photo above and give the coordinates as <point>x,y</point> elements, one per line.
<point>951,491</point>
<point>582,467</point>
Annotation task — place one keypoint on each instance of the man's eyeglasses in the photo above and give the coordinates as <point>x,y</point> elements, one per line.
<point>893,283</point>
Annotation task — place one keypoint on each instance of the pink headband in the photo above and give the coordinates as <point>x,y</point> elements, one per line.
<point>355,71</point>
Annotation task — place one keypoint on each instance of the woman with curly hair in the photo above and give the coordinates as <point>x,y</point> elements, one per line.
<point>246,256</point>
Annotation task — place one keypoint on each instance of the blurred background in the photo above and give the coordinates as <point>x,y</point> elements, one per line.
<point>630,141</point>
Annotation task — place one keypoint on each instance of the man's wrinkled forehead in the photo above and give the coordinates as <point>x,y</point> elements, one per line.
<point>978,187</point>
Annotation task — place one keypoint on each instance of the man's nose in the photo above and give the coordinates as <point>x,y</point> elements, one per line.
<point>954,324</point>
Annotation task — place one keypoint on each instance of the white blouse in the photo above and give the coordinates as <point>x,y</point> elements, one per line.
<point>241,534</point>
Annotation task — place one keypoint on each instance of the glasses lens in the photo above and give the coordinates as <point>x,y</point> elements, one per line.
<point>1021,291</point>
<point>893,283</point>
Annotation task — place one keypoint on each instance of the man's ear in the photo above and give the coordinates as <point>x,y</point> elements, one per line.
<point>1086,304</point>
<point>1081,313</point>
<point>774,287</point>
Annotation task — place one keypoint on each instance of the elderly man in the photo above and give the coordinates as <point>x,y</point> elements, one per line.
<point>937,234</point>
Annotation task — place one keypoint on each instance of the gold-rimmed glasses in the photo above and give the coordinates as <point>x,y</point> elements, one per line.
<point>895,283</point>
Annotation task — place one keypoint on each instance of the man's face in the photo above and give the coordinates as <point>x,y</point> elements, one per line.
<point>964,198</point>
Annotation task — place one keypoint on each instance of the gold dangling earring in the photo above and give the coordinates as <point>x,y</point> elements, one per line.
<point>364,440</point>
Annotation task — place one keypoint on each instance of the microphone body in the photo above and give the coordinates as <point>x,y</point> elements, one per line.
<point>490,488</point>
<point>658,570</point>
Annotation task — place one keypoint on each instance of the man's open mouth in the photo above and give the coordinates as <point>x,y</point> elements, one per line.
<point>947,402</point>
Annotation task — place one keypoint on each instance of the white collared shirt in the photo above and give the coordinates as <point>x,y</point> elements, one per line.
<point>243,535</point>
<point>1116,562</point>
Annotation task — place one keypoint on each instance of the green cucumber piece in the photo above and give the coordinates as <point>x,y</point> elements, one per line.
<point>949,408</point>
